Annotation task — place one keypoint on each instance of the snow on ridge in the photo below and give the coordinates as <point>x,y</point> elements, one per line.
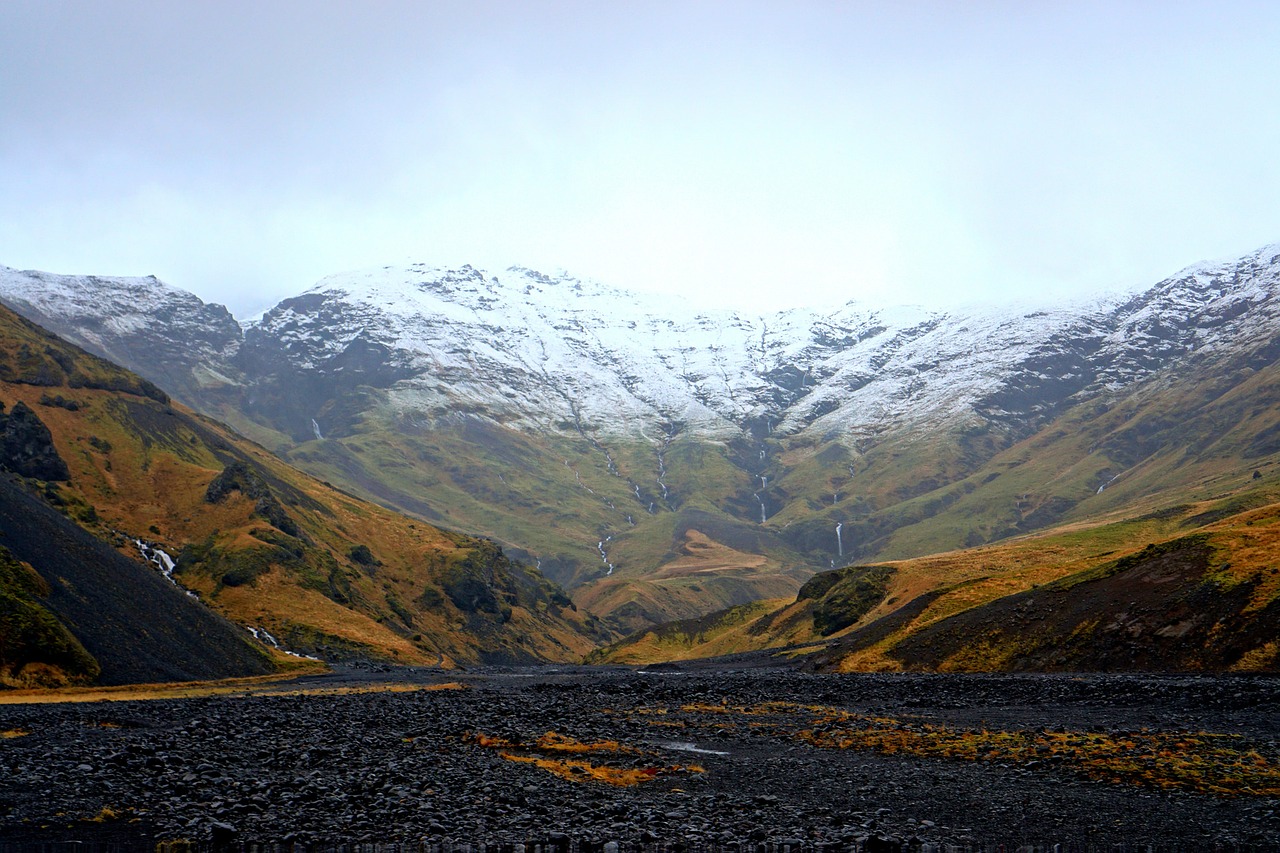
<point>542,350</point>
<point>537,350</point>
<point>68,295</point>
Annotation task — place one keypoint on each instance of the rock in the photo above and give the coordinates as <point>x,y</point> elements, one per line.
<point>222,834</point>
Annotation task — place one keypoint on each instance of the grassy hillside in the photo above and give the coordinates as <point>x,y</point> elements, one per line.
<point>616,520</point>
<point>319,569</point>
<point>557,501</point>
<point>1191,587</point>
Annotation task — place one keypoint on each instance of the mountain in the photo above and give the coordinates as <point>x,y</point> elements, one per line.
<point>154,330</point>
<point>141,541</point>
<point>1190,588</point>
<point>664,463</point>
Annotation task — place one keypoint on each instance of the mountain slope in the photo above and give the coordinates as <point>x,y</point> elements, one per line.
<point>1202,595</point>
<point>303,564</point>
<point>131,623</point>
<point>607,438</point>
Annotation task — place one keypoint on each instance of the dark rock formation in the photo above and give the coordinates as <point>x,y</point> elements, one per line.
<point>138,626</point>
<point>26,446</point>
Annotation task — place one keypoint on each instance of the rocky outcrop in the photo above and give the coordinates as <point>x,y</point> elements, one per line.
<point>26,446</point>
<point>240,477</point>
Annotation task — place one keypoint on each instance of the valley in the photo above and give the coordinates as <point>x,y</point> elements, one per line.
<point>872,488</point>
<point>574,759</point>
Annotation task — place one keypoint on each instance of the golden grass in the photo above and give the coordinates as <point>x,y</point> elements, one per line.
<point>699,554</point>
<point>262,685</point>
<point>1245,544</point>
<point>553,742</point>
<point>1195,761</point>
<point>275,594</point>
<point>550,753</point>
<point>585,771</point>
<point>1205,762</point>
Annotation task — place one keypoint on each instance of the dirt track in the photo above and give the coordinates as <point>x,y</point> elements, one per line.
<point>720,760</point>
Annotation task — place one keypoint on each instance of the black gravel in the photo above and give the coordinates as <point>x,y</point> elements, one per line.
<point>382,769</point>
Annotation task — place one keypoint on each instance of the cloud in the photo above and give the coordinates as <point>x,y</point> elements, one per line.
<point>739,152</point>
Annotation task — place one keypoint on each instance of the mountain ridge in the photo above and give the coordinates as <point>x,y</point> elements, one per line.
<point>584,427</point>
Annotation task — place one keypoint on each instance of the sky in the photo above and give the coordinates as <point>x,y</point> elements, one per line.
<point>744,154</point>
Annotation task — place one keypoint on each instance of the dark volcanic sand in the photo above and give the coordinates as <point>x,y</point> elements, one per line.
<point>396,768</point>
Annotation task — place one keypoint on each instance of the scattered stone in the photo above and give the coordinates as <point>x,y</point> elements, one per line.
<point>295,772</point>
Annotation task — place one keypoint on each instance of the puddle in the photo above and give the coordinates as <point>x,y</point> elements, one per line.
<point>682,746</point>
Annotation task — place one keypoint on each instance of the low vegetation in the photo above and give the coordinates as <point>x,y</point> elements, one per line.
<point>614,763</point>
<point>1205,762</point>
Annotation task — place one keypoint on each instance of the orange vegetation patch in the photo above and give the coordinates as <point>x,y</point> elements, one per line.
<point>1222,764</point>
<point>583,771</point>
<point>553,742</point>
<point>266,685</point>
<point>1195,761</point>
<point>548,752</point>
<point>9,734</point>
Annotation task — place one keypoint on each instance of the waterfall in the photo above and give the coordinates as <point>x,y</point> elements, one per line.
<point>315,427</point>
<point>604,554</point>
<point>158,558</point>
<point>263,636</point>
<point>662,469</point>
<point>763,514</point>
<point>1108,483</point>
<point>608,459</point>
<point>839,538</point>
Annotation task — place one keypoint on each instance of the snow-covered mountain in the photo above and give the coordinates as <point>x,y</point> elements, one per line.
<point>539,352</point>
<point>166,334</point>
<point>543,353</point>
<point>547,411</point>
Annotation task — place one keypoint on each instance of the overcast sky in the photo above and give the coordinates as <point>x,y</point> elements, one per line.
<point>751,154</point>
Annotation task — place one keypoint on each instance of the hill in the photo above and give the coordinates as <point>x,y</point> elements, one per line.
<point>1194,587</point>
<point>133,526</point>
<point>663,463</point>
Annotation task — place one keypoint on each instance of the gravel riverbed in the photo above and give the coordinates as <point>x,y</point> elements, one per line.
<point>709,760</point>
